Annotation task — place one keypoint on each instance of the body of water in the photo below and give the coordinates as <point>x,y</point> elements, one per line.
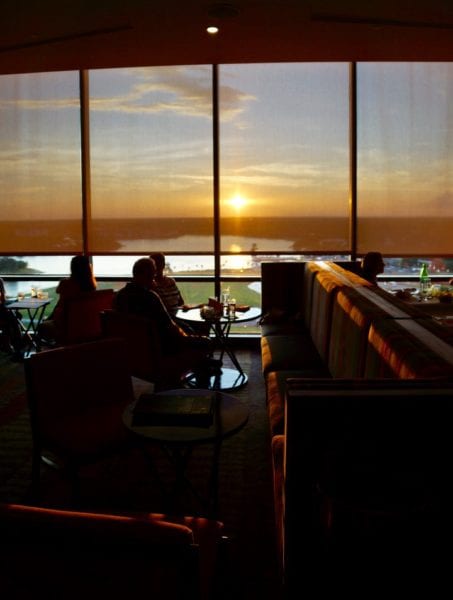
<point>230,243</point>
<point>120,266</point>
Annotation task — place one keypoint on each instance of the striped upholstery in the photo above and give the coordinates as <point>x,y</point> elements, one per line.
<point>393,352</point>
<point>351,319</point>
<point>278,450</point>
<point>353,331</point>
<point>311,268</point>
<point>354,278</point>
<point>276,390</point>
<point>325,287</point>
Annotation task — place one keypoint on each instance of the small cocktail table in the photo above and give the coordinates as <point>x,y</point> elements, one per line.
<point>229,416</point>
<point>226,379</point>
<point>34,309</point>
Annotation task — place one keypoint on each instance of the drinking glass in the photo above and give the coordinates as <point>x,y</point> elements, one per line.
<point>231,308</point>
<point>225,296</point>
<point>425,291</point>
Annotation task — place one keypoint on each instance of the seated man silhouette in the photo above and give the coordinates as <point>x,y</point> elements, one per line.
<point>138,298</point>
<point>371,266</point>
<point>170,294</point>
<point>166,286</point>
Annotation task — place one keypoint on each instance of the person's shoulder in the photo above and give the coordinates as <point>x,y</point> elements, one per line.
<point>153,295</point>
<point>168,282</point>
<point>126,290</point>
<point>64,285</point>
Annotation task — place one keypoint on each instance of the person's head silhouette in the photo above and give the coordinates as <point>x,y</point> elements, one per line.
<point>372,265</point>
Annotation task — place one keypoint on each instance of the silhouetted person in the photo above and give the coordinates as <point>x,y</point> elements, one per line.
<point>138,298</point>
<point>170,294</point>
<point>81,280</point>
<point>166,286</point>
<point>371,266</point>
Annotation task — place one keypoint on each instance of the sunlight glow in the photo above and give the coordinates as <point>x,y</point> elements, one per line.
<point>238,202</point>
<point>238,262</point>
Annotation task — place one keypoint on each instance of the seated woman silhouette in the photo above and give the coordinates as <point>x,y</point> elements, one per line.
<point>371,266</point>
<point>80,280</point>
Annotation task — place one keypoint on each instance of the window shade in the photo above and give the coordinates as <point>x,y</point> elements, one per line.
<point>405,158</point>
<point>40,170</point>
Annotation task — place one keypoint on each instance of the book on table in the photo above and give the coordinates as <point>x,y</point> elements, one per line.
<point>174,409</point>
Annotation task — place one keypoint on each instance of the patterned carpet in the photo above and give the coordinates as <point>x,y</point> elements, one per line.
<point>245,479</point>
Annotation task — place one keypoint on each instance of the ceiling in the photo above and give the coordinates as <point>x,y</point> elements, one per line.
<point>74,34</point>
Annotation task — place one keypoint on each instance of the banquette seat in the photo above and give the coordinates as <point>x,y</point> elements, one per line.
<point>327,328</point>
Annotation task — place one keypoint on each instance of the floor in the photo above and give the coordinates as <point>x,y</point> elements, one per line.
<point>245,480</point>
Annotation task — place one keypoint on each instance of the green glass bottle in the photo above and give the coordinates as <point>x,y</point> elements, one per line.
<point>425,282</point>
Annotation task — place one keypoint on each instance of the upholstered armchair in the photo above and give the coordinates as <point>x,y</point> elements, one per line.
<point>145,355</point>
<point>73,555</point>
<point>81,321</point>
<point>77,395</point>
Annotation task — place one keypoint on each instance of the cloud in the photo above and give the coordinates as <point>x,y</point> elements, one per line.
<point>233,103</point>
<point>48,104</point>
<point>282,174</point>
<point>179,90</point>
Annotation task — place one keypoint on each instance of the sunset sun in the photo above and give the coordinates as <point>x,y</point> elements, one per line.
<point>238,202</point>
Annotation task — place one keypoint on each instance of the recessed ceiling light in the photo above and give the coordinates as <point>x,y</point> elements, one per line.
<point>212,29</point>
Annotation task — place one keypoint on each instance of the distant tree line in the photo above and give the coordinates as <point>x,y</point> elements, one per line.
<point>13,265</point>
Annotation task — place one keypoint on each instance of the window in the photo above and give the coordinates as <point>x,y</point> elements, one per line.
<point>284,150</point>
<point>284,169</point>
<point>405,159</point>
<point>151,160</point>
<point>40,170</point>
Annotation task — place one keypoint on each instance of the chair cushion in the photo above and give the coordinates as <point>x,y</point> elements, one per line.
<point>290,352</point>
